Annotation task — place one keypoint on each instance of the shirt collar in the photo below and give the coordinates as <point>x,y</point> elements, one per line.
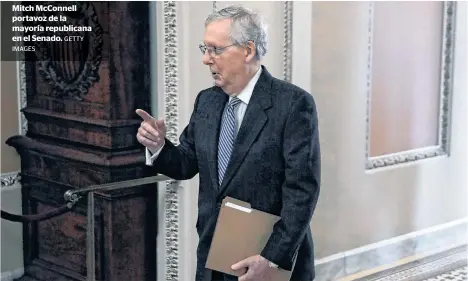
<point>246,93</point>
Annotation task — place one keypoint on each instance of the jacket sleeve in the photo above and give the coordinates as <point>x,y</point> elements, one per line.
<point>300,189</point>
<point>179,161</point>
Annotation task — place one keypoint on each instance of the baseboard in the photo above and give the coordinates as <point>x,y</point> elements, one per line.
<point>12,274</point>
<point>424,242</point>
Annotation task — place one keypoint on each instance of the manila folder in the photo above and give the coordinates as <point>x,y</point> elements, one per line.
<point>240,232</point>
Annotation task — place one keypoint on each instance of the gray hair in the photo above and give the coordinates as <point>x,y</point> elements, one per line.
<point>246,26</point>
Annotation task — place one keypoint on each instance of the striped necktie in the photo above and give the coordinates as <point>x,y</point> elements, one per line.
<point>227,137</point>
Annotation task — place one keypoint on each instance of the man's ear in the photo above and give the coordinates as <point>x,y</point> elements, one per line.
<point>250,51</point>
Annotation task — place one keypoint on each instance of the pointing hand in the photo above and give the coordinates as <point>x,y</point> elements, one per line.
<point>151,132</point>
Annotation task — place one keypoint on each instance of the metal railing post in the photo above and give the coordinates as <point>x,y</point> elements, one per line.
<point>90,246</point>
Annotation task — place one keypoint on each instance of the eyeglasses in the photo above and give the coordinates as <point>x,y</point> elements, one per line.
<point>213,50</point>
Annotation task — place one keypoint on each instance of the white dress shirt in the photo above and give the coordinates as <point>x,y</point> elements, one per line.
<point>244,96</point>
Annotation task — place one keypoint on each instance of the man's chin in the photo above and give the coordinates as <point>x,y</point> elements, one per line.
<point>218,83</point>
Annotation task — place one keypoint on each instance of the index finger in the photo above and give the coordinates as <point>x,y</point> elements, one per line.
<point>143,114</point>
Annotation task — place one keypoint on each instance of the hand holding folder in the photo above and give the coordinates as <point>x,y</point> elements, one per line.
<point>241,232</point>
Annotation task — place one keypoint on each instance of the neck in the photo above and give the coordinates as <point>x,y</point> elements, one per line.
<point>250,71</point>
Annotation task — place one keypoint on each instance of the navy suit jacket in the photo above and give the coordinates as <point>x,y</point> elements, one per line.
<point>275,166</point>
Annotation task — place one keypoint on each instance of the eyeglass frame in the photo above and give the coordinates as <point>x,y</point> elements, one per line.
<point>216,50</point>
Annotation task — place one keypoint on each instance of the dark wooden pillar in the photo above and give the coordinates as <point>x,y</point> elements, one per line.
<point>81,101</point>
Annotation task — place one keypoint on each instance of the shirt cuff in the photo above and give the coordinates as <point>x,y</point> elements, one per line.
<point>272,264</point>
<point>151,156</point>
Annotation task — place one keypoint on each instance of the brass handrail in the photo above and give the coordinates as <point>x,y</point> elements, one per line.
<point>72,196</point>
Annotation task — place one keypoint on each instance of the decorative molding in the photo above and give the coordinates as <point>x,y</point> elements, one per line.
<point>446,76</point>
<point>9,179</point>
<point>171,78</point>
<point>22,101</point>
<point>287,52</point>
<point>370,33</point>
<point>21,87</point>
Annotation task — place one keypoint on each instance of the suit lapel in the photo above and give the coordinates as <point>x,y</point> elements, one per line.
<point>216,105</point>
<point>253,122</point>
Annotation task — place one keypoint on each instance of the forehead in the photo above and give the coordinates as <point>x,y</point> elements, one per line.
<point>217,32</point>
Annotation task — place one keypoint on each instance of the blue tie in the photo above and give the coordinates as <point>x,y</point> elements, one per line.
<point>227,137</point>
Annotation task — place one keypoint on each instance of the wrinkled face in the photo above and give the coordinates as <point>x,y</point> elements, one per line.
<point>227,62</point>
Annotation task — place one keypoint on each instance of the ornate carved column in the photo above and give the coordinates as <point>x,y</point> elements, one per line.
<point>81,101</point>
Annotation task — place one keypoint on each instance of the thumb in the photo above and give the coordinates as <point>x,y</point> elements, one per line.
<point>242,264</point>
<point>160,124</point>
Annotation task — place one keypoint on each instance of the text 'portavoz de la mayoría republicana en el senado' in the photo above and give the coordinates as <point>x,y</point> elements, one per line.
<point>40,27</point>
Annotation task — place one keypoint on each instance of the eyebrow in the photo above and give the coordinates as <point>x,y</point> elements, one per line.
<point>209,44</point>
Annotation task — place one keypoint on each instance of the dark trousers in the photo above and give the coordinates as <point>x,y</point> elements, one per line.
<point>217,276</point>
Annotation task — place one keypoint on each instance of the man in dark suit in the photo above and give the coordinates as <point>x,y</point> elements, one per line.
<point>252,137</point>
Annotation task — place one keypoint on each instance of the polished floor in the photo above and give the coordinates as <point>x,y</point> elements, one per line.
<point>459,274</point>
<point>449,265</point>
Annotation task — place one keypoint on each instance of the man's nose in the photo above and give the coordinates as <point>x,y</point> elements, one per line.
<point>206,58</point>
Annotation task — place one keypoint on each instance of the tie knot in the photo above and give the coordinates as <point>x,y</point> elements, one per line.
<point>234,102</point>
